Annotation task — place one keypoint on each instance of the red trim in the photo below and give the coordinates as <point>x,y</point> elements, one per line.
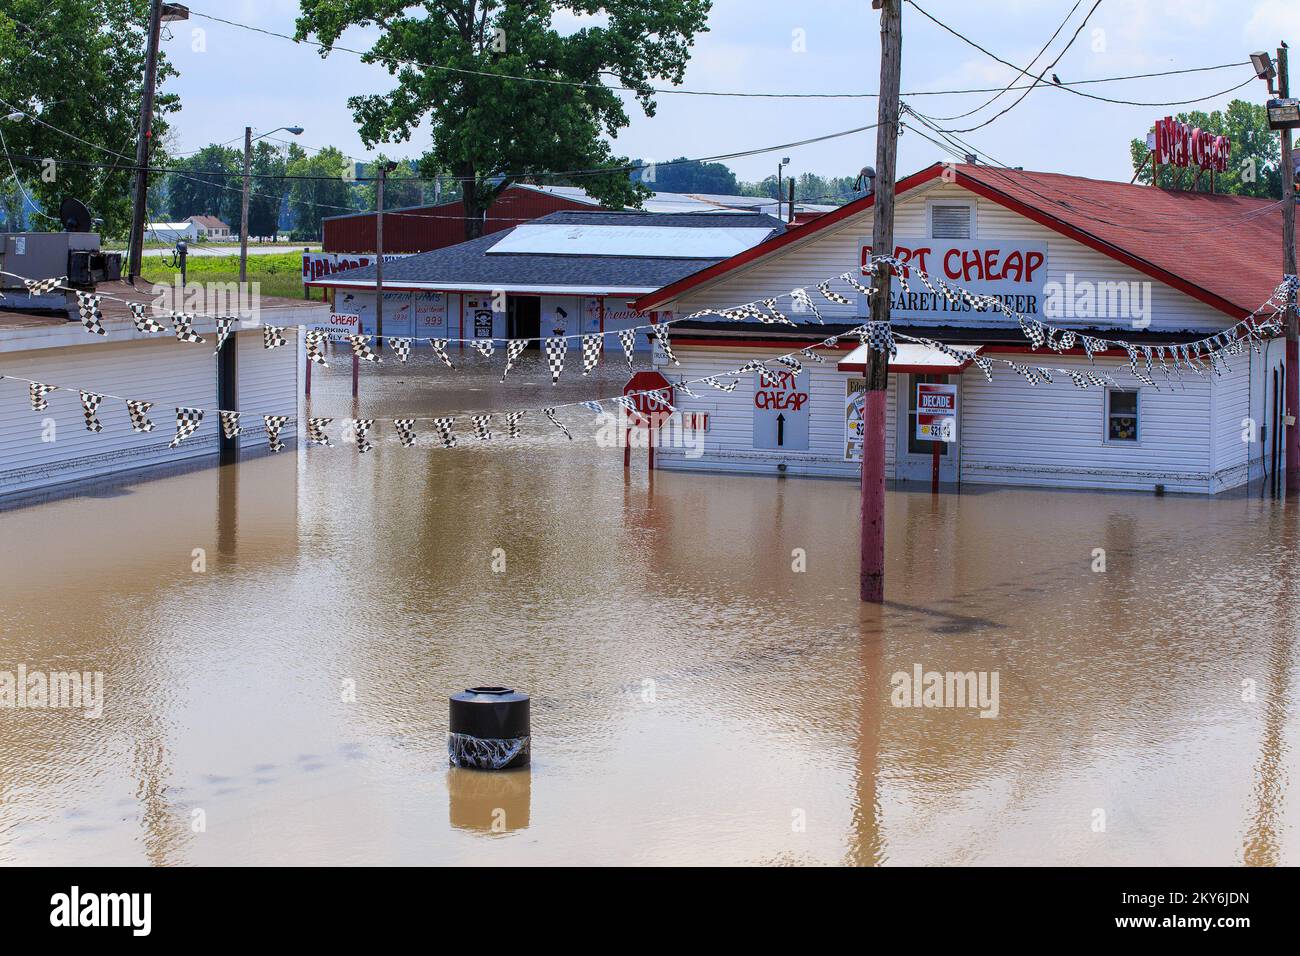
<point>676,289</point>
<point>712,343</point>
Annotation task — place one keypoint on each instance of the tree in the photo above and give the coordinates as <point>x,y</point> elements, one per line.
<point>402,189</point>
<point>321,185</point>
<point>267,190</point>
<point>686,176</point>
<point>1255,165</point>
<point>489,131</point>
<point>76,66</point>
<point>209,183</point>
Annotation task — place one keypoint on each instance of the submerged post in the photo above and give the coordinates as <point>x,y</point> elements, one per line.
<point>871,581</point>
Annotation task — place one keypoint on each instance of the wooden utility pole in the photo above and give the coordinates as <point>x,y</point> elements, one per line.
<point>1289,268</point>
<point>243,205</point>
<point>143,136</point>
<point>379,257</point>
<point>872,574</point>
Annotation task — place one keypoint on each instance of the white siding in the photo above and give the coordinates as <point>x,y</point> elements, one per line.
<point>268,385</point>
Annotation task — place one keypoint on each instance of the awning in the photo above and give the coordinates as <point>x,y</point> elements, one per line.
<point>912,359</point>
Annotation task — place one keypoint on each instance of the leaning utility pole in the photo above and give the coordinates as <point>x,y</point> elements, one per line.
<point>871,580</point>
<point>379,256</point>
<point>1289,268</point>
<point>243,205</point>
<point>143,135</point>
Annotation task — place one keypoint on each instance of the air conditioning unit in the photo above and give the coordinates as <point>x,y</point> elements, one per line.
<point>43,255</point>
<point>87,267</point>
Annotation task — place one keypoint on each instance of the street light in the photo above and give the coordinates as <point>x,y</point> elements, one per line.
<point>243,203</point>
<point>779,166</point>
<point>1264,69</point>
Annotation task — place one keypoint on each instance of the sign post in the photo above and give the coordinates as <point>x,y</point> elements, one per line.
<point>647,408</point>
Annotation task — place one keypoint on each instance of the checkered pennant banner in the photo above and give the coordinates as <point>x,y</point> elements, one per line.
<point>405,431</point>
<point>482,427</point>
<point>596,407</point>
<point>315,346</point>
<point>766,376</point>
<point>852,280</point>
<point>38,393</point>
<point>627,338</point>
<point>550,413</point>
<point>721,386</point>
<point>629,406</point>
<point>1067,340</point>
<point>401,347</point>
<point>686,389</point>
<point>802,301</point>
<point>90,403</point>
<point>316,431</point>
<point>445,429</point>
<point>361,429</point>
<point>224,324</point>
<point>790,362</point>
<point>361,348</point>
<point>1133,366</point>
<point>514,349</point>
<point>43,286</point>
<point>1092,346</point>
<point>591,346</point>
<point>777,315</point>
<point>139,412</point>
<point>556,346</point>
<point>512,424</point>
<point>811,355</point>
<point>1026,371</point>
<point>273,337</point>
<point>183,326</point>
<point>187,423</point>
<point>273,425</point>
<point>984,365</point>
<point>1034,332</point>
<point>825,289</point>
<point>659,401</point>
<point>91,317</point>
<point>880,338</point>
<point>661,334</point>
<point>440,350</point>
<point>144,322</point>
<point>230,426</point>
<point>1079,380</point>
<point>484,347</point>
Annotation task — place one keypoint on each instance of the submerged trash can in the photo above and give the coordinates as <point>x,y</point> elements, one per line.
<point>489,729</point>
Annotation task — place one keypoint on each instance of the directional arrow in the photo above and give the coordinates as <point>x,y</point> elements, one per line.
<point>780,430</point>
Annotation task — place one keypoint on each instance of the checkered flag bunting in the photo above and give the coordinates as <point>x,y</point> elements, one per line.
<point>273,425</point>
<point>482,427</point>
<point>591,346</point>
<point>556,346</point>
<point>401,348</point>
<point>484,347</point>
<point>852,280</point>
<point>183,326</point>
<point>628,405</point>
<point>91,317</point>
<point>187,423</point>
<point>230,426</point>
<point>1133,366</point>
<point>774,314</point>
<point>790,362</point>
<point>224,324</point>
<point>445,427</point>
<point>514,349</point>
<point>550,413</point>
<point>984,365</point>
<point>661,334</point>
<point>803,300</point>
<point>627,337</point>
<point>766,376</point>
<point>316,431</point>
<point>512,424</point>
<point>880,338</point>
<point>596,407</point>
<point>139,412</point>
<point>38,393</point>
<point>144,322</point>
<point>361,428</point>
<point>721,386</point>
<point>43,286</point>
<point>361,348</point>
<point>811,355</point>
<point>90,403</point>
<point>405,431</point>
<point>273,337</point>
<point>315,346</point>
<point>825,289</point>
<point>440,350</point>
<point>659,400</point>
<point>686,389</point>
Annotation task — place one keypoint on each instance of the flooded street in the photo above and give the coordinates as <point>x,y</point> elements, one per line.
<point>695,700</point>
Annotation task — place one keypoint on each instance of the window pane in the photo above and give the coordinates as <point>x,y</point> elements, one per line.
<point>1123,403</point>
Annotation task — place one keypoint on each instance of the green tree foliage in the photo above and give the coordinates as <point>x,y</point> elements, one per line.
<point>267,190</point>
<point>77,66</point>
<point>1254,169</point>
<point>402,189</point>
<point>207,183</point>
<point>686,176</point>
<point>323,186</point>
<point>488,131</point>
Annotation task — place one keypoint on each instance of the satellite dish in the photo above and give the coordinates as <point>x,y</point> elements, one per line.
<point>74,215</point>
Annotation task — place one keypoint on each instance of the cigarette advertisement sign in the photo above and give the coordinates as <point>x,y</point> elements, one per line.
<point>854,395</point>
<point>936,412</point>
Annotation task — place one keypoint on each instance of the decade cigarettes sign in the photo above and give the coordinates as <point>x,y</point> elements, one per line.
<point>936,411</point>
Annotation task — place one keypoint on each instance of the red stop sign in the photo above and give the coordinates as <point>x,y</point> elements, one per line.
<point>648,382</point>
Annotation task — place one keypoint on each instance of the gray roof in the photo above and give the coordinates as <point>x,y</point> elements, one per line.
<point>469,266</point>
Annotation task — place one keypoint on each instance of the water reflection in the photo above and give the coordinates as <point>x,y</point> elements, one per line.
<point>696,698</point>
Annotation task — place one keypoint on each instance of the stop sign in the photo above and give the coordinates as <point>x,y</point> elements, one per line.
<point>648,382</point>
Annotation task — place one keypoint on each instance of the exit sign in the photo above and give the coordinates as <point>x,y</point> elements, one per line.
<point>696,421</point>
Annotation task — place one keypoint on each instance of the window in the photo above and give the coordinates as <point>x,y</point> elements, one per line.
<point>1122,415</point>
<point>920,446</point>
<point>950,221</point>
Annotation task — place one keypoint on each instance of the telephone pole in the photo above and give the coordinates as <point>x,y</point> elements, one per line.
<point>379,255</point>
<point>243,205</point>
<point>872,574</point>
<point>1289,268</point>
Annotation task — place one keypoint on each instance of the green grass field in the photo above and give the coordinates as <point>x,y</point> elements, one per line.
<point>280,274</point>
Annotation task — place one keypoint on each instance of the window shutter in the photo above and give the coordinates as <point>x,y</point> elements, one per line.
<point>950,222</point>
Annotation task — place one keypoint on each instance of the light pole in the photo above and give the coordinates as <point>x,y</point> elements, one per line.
<point>779,166</point>
<point>384,169</point>
<point>243,202</point>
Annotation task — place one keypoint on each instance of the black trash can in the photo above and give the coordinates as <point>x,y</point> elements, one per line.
<point>489,729</point>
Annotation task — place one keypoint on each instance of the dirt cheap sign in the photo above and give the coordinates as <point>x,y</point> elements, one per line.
<point>781,407</point>
<point>1010,270</point>
<point>936,412</point>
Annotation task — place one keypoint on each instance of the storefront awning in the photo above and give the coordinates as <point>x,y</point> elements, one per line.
<point>912,359</point>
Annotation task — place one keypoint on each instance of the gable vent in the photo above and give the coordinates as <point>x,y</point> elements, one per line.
<point>950,222</point>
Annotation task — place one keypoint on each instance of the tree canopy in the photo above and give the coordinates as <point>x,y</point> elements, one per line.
<point>488,131</point>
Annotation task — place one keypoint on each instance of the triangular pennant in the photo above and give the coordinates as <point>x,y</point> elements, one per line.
<point>556,346</point>
<point>661,334</point>
<point>440,350</point>
<point>361,348</point>
<point>776,315</point>
<point>316,431</point>
<point>591,346</point>
<point>801,299</point>
<point>316,346</point>
<point>91,318</point>
<point>90,403</point>
<point>183,326</point>
<point>405,431</point>
<point>144,322</point>
<point>43,286</point>
<point>224,324</point>
<point>445,428</point>
<point>139,415</point>
<point>273,425</point>
<point>273,337</point>
<point>825,289</point>
<point>361,431</point>
<point>230,426</point>
<point>484,347</point>
<point>482,427</point>
<point>514,349</point>
<point>37,391</point>
<point>720,386</point>
<point>550,413</point>
<point>401,347</point>
<point>627,337</point>
<point>790,362</point>
<point>512,423</point>
<point>187,423</point>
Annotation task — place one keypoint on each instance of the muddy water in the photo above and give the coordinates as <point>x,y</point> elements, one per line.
<point>695,699</point>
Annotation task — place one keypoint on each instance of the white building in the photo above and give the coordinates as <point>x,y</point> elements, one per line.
<point>1190,264</point>
<point>209,227</point>
<point>171,231</point>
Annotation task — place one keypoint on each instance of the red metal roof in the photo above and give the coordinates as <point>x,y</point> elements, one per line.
<point>1224,251</point>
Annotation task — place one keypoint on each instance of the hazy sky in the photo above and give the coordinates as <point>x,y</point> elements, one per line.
<point>244,78</point>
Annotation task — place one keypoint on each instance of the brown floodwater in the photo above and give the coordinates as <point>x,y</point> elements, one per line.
<point>695,699</point>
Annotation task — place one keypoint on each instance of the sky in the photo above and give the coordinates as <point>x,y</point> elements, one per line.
<point>232,77</point>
